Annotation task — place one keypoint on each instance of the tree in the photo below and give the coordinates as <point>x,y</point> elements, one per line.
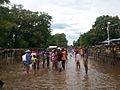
<point>4,1</point>
<point>98,33</point>
<point>21,28</point>
<point>34,27</point>
<point>58,40</point>
<point>5,24</point>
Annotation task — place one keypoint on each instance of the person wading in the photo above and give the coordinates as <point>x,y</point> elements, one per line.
<point>27,60</point>
<point>48,58</point>
<point>77,59</point>
<point>63,58</point>
<point>54,60</point>
<point>59,59</point>
<point>85,60</point>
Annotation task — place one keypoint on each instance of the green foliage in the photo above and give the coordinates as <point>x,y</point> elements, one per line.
<point>4,1</point>
<point>21,28</point>
<point>58,40</point>
<point>98,33</point>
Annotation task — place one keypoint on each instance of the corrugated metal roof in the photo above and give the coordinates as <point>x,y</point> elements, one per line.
<point>111,40</point>
<point>118,39</point>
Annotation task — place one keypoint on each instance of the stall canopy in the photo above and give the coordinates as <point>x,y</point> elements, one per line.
<point>52,47</point>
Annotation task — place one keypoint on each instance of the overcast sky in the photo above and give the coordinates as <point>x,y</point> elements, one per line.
<point>72,16</point>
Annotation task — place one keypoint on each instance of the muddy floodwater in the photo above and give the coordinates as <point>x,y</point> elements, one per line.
<point>100,77</point>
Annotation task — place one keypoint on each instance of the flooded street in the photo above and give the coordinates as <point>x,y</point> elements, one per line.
<point>100,77</point>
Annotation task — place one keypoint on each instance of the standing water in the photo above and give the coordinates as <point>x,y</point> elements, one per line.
<point>100,77</point>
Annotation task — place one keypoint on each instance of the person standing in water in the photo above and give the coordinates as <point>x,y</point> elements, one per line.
<point>77,59</point>
<point>48,58</point>
<point>34,62</point>
<point>59,59</point>
<point>27,61</point>
<point>85,60</point>
<point>63,58</point>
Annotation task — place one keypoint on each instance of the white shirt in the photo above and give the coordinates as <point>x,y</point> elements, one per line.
<point>78,57</point>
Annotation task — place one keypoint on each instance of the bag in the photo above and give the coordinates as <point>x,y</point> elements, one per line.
<point>24,57</point>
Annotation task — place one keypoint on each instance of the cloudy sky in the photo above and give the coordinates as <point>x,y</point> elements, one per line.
<point>72,16</point>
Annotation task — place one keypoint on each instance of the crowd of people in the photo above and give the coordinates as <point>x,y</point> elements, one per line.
<point>58,57</point>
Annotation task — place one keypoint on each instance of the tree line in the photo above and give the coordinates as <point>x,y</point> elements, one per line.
<point>21,28</point>
<point>98,32</point>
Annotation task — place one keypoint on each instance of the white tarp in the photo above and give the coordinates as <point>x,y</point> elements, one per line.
<point>52,46</point>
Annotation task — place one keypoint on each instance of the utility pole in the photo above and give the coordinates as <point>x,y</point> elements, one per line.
<point>14,40</point>
<point>108,33</point>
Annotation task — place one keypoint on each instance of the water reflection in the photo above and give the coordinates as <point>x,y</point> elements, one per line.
<point>85,83</point>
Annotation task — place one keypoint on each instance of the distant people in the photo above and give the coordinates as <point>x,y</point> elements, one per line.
<point>48,58</point>
<point>68,56</point>
<point>27,60</point>
<point>44,58</point>
<point>52,58</point>
<point>77,59</point>
<point>64,55</point>
<point>114,51</point>
<point>85,60</point>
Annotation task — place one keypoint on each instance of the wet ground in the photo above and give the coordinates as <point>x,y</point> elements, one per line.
<point>100,77</point>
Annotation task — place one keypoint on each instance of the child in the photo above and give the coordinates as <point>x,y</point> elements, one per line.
<point>77,60</point>
<point>34,60</point>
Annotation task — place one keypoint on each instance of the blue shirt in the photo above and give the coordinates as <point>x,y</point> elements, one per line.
<point>28,58</point>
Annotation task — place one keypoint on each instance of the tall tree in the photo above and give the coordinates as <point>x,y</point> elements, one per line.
<point>98,33</point>
<point>34,28</point>
<point>5,24</point>
<point>21,28</point>
<point>58,40</point>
